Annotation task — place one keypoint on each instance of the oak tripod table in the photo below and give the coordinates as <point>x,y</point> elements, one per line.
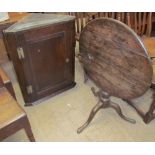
<point>115,59</point>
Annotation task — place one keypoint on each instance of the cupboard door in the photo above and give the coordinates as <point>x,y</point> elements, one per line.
<point>48,63</point>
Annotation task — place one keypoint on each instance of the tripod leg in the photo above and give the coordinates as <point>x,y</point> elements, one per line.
<point>97,107</point>
<point>119,111</point>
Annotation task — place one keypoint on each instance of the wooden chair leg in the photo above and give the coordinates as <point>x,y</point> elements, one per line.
<point>28,130</point>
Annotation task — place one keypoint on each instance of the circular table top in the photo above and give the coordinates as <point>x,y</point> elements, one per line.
<point>114,57</point>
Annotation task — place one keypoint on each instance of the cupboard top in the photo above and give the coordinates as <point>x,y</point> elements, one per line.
<point>37,20</point>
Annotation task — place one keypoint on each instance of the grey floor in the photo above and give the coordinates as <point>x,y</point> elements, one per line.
<point>57,118</point>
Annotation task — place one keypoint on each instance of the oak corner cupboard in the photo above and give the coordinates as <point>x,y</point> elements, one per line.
<point>42,49</point>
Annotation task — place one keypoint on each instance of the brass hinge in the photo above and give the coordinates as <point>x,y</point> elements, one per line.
<point>29,89</point>
<point>20,53</point>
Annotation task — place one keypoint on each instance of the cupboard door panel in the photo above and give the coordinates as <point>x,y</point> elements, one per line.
<point>48,59</point>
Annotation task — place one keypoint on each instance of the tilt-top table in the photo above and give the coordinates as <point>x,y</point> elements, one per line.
<point>115,59</point>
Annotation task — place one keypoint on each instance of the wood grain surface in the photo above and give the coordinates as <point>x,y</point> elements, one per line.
<point>115,59</point>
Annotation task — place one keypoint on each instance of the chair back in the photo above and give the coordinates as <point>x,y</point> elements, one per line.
<point>82,18</point>
<point>141,23</point>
